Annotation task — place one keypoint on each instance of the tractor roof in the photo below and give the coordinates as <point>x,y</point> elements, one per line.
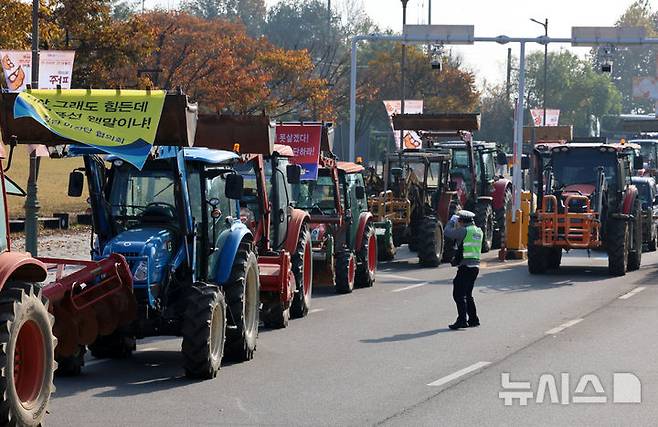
<point>646,180</point>
<point>442,122</point>
<point>199,154</point>
<point>462,144</point>
<point>554,146</point>
<point>350,167</point>
<point>429,154</point>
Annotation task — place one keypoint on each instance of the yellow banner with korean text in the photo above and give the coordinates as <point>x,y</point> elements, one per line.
<point>119,122</point>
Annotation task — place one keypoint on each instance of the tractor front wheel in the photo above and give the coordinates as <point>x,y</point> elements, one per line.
<point>537,255</point>
<point>617,246</point>
<point>430,242</point>
<point>27,355</point>
<point>345,271</point>
<point>302,269</point>
<point>635,249</point>
<point>117,345</point>
<point>367,258</point>
<point>242,294</point>
<point>484,219</point>
<point>204,326</point>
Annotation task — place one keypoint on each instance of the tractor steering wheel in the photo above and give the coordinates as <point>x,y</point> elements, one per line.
<point>318,208</point>
<point>152,210</point>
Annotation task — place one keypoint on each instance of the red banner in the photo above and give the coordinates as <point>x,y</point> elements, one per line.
<point>305,143</point>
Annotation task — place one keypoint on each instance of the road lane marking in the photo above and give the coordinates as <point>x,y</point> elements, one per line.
<point>406,288</point>
<point>563,326</point>
<point>632,292</point>
<point>316,310</point>
<point>395,276</point>
<point>499,264</point>
<point>460,373</point>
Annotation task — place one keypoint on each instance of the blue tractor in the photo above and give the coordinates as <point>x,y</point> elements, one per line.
<point>195,273</point>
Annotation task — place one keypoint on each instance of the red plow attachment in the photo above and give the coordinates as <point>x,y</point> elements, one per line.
<point>94,300</point>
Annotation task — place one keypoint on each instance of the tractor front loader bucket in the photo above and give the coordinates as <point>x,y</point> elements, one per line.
<point>94,300</point>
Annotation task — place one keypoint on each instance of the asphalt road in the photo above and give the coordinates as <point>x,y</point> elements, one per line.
<point>385,356</point>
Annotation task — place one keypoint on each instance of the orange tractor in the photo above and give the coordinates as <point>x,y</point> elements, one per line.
<point>585,201</point>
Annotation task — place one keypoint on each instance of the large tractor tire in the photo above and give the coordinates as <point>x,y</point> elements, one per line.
<point>345,271</point>
<point>366,257</point>
<point>413,240</point>
<point>27,355</point>
<point>385,248</point>
<point>617,245</point>
<point>537,255</point>
<point>117,345</point>
<point>277,315</point>
<point>635,232</point>
<point>484,219</point>
<point>430,242</point>
<point>554,258</point>
<point>302,269</point>
<point>242,294</point>
<point>71,366</point>
<point>500,224</point>
<point>204,326</point>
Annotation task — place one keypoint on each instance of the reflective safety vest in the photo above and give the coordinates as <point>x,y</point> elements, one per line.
<point>473,242</point>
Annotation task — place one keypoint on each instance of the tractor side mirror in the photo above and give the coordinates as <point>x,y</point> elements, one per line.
<point>525,163</point>
<point>360,192</point>
<point>293,174</point>
<point>397,172</point>
<point>234,186</point>
<point>638,162</point>
<point>76,183</point>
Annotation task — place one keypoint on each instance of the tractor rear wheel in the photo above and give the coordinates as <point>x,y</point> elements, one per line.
<point>276,314</point>
<point>302,269</point>
<point>617,246</point>
<point>500,225</point>
<point>484,220</point>
<point>345,271</point>
<point>430,242</point>
<point>27,354</point>
<point>635,249</point>
<point>366,257</point>
<point>117,345</point>
<point>204,326</point>
<point>242,294</point>
<point>385,246</point>
<point>537,255</point>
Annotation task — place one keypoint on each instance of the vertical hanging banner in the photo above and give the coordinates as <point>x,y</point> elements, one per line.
<point>119,122</point>
<point>17,69</point>
<point>411,106</point>
<point>55,68</point>
<point>305,143</point>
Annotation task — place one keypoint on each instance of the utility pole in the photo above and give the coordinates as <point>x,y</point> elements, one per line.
<point>329,16</point>
<point>402,66</point>
<point>508,84</point>
<point>31,200</point>
<point>545,25</point>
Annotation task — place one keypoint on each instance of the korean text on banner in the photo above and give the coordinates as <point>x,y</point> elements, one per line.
<point>552,117</point>
<point>17,68</point>
<point>411,106</point>
<point>305,143</point>
<point>123,123</point>
<point>55,68</point>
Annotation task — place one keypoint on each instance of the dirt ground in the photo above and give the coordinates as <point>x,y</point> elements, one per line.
<point>73,243</point>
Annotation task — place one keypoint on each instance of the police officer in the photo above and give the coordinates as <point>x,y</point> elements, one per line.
<point>462,229</point>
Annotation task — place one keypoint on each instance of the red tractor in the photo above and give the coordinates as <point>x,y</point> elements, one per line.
<point>586,200</point>
<point>281,233</point>
<point>343,234</point>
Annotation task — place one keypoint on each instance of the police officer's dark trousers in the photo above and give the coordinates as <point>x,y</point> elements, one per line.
<point>462,293</point>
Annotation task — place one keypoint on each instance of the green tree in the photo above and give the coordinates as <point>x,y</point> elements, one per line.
<point>250,12</point>
<point>497,116</point>
<point>573,86</point>
<point>632,61</point>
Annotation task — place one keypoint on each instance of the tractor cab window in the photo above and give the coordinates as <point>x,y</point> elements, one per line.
<point>459,170</point>
<point>489,164</point>
<point>146,196</point>
<point>250,201</point>
<point>352,181</point>
<point>316,197</point>
<point>646,195</point>
<point>580,167</point>
<point>434,175</point>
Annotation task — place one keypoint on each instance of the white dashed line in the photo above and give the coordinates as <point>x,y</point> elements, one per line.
<point>563,326</point>
<point>460,373</point>
<point>316,310</point>
<point>406,288</point>
<point>633,292</point>
<point>395,276</point>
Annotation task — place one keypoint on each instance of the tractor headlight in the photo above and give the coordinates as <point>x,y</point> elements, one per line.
<point>141,272</point>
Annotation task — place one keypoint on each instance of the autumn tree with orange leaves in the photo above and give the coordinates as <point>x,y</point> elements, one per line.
<point>217,64</point>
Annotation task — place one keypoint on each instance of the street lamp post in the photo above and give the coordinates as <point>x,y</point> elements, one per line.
<point>402,67</point>
<point>545,25</point>
<point>31,199</point>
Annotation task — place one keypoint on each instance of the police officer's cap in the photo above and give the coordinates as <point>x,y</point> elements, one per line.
<point>466,216</point>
